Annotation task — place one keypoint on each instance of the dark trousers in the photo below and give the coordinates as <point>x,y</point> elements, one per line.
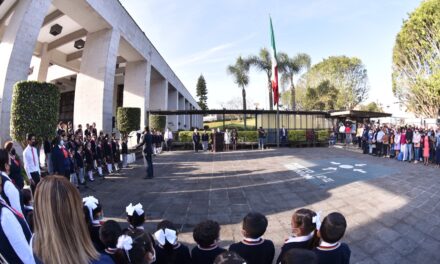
<point>149,159</point>
<point>138,137</point>
<point>36,179</point>
<point>379,149</point>
<point>385,148</point>
<point>196,146</point>
<point>283,141</point>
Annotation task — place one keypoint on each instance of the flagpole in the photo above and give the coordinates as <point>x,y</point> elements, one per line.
<point>278,126</point>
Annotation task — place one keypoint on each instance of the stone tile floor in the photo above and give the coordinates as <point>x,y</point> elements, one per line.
<point>392,208</point>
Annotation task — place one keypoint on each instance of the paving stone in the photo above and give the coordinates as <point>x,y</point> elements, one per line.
<point>390,210</point>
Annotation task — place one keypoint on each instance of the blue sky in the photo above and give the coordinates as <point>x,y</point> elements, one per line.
<point>206,36</point>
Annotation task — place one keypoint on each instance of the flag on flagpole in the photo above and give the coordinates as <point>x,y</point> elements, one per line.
<point>274,79</point>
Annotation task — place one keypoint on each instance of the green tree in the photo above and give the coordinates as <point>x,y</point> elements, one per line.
<point>128,119</point>
<point>290,68</point>
<point>240,72</point>
<point>263,62</point>
<point>202,93</point>
<point>371,107</point>
<point>416,61</point>
<point>322,97</point>
<point>347,75</point>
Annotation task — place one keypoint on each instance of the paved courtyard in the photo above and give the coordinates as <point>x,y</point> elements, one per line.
<point>391,207</point>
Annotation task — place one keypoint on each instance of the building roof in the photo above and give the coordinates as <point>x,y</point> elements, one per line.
<point>360,114</point>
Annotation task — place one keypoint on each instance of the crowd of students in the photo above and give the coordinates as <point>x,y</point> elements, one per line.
<point>404,143</point>
<point>66,229</point>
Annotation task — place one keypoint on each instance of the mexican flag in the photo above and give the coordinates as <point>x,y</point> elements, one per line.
<point>274,66</point>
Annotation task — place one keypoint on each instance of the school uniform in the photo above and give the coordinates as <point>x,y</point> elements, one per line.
<point>59,160</point>
<point>295,242</point>
<point>94,235</point>
<point>10,194</point>
<point>15,173</point>
<point>14,236</point>
<point>32,165</point>
<point>201,255</point>
<point>89,159</point>
<point>337,253</point>
<point>180,252</point>
<point>255,251</point>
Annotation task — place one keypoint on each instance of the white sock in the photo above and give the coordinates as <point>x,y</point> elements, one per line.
<point>100,170</point>
<point>109,168</point>
<point>91,175</point>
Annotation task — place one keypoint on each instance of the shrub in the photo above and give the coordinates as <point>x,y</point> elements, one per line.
<point>158,122</point>
<point>322,135</point>
<point>296,135</point>
<point>247,136</point>
<point>35,109</point>
<point>185,136</point>
<point>128,119</point>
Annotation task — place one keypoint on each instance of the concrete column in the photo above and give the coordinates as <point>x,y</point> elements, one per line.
<point>181,107</point>
<point>95,82</point>
<point>16,49</point>
<point>187,119</point>
<point>44,63</point>
<point>137,87</point>
<point>173,104</point>
<point>158,94</point>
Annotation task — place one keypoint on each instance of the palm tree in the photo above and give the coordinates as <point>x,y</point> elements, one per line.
<point>240,72</point>
<point>291,67</point>
<point>263,62</point>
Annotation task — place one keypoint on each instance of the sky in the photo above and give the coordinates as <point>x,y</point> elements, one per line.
<point>205,36</point>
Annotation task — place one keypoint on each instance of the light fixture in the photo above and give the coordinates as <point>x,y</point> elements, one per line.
<point>79,44</point>
<point>55,29</point>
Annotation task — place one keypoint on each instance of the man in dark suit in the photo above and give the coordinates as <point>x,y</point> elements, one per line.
<point>147,143</point>
<point>60,158</point>
<point>196,140</point>
<point>283,136</point>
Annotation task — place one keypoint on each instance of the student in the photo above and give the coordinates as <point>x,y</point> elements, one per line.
<point>303,230</point>
<point>137,248</point>
<point>206,234</point>
<point>299,256</point>
<point>9,193</point>
<point>124,152</point>
<point>93,215</point>
<point>168,249</point>
<point>79,163</point>
<point>135,217</point>
<point>72,167</point>
<point>109,233</point>
<point>330,250</point>
<point>253,248</point>
<point>14,166</point>
<point>61,235</point>
<point>14,234</point>
<point>28,209</point>
<point>99,157</point>
<point>89,162</point>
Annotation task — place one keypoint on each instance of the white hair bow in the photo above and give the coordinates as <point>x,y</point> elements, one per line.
<point>130,209</point>
<point>163,235</point>
<point>92,203</point>
<point>125,242</point>
<point>317,220</point>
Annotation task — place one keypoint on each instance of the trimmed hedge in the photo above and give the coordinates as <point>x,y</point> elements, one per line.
<point>185,136</point>
<point>158,122</point>
<point>322,135</point>
<point>35,109</point>
<point>247,136</point>
<point>128,119</point>
<point>296,135</point>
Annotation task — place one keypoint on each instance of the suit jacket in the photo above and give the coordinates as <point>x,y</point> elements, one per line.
<point>147,143</point>
<point>58,160</point>
<point>196,137</point>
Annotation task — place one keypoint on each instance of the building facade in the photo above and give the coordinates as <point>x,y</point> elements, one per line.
<point>95,53</point>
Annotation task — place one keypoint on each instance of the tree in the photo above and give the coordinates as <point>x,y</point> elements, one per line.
<point>35,109</point>
<point>202,93</point>
<point>263,62</point>
<point>416,61</point>
<point>240,72</point>
<point>290,68</point>
<point>372,107</point>
<point>347,75</point>
<point>322,97</point>
<point>128,119</point>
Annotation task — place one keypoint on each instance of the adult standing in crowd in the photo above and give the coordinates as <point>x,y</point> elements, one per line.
<point>196,140</point>
<point>168,138</point>
<point>437,149</point>
<point>205,140</point>
<point>283,136</point>
<point>47,146</point>
<point>60,158</point>
<point>261,137</point>
<point>9,192</point>
<point>409,143</point>
<point>147,143</point>
<point>417,140</point>
<point>227,139</point>
<point>32,162</point>
<point>15,166</point>
<point>234,139</point>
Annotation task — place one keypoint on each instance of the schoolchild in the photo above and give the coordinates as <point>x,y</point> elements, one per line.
<point>206,234</point>
<point>94,214</point>
<point>168,249</point>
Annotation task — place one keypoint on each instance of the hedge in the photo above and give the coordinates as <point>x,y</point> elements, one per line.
<point>158,122</point>
<point>247,136</point>
<point>296,135</point>
<point>185,136</point>
<point>35,109</point>
<point>322,135</point>
<point>128,119</point>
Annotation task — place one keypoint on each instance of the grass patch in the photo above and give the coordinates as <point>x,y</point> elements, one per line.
<point>239,124</point>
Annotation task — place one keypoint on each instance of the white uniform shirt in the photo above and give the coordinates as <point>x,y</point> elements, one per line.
<point>380,135</point>
<point>31,161</point>
<point>13,231</point>
<point>12,193</point>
